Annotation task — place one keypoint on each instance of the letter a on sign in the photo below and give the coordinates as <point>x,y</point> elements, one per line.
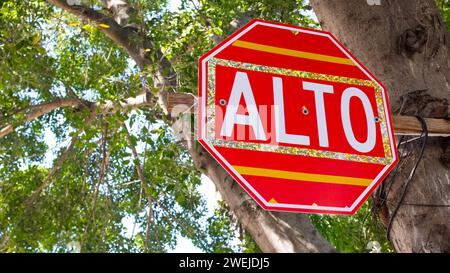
<point>295,119</point>
<point>241,88</point>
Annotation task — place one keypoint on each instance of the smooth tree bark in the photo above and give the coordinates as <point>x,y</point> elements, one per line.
<point>39,110</point>
<point>272,231</point>
<point>405,44</point>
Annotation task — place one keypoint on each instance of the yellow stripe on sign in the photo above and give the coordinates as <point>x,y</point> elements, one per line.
<point>310,177</point>
<point>293,53</point>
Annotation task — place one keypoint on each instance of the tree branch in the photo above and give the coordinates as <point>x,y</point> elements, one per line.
<point>140,49</point>
<point>40,110</point>
<point>121,36</point>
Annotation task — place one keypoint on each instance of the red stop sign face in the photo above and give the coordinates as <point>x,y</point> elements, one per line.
<point>295,119</point>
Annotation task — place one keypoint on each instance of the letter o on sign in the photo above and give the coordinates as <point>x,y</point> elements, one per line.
<point>367,145</point>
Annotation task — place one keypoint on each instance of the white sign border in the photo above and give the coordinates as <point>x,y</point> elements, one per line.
<point>236,174</point>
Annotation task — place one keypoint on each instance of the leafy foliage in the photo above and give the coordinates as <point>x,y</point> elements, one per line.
<point>353,233</point>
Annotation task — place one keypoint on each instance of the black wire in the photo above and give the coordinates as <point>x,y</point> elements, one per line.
<point>424,135</point>
<point>381,197</point>
<point>402,161</point>
<point>385,189</point>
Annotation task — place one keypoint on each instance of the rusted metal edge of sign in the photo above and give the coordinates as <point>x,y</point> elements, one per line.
<point>403,125</point>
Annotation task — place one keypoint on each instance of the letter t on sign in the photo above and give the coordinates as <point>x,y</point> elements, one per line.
<point>318,90</point>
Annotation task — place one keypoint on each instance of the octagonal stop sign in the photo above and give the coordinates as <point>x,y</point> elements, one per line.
<point>295,119</point>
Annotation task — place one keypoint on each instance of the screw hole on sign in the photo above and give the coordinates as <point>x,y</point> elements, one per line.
<point>377,119</point>
<point>305,110</point>
<point>222,102</point>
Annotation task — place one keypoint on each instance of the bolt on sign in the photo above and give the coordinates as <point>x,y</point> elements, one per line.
<point>295,119</point>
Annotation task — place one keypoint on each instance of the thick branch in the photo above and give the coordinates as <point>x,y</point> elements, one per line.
<point>40,110</point>
<point>407,125</point>
<point>142,100</point>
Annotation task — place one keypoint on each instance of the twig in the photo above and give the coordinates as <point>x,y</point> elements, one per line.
<point>144,185</point>
<point>48,180</point>
<point>103,168</point>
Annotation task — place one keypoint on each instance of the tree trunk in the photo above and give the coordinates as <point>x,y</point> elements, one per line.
<point>404,43</point>
<point>272,231</point>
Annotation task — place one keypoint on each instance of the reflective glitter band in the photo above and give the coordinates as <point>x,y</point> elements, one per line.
<point>286,149</point>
